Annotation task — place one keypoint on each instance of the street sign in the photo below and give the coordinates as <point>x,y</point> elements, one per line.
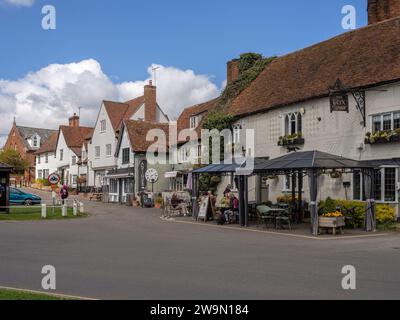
<point>54,179</point>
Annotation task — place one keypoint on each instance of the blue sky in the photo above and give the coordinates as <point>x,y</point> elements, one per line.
<point>105,49</point>
<point>126,36</point>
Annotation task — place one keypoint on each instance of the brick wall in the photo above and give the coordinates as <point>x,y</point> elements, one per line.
<point>150,103</point>
<point>16,142</point>
<point>380,10</point>
<point>232,70</point>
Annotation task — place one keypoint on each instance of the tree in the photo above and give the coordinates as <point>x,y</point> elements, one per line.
<point>14,159</point>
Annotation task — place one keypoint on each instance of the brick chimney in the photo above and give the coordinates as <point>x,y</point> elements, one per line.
<point>74,121</point>
<point>232,70</point>
<point>150,102</point>
<point>381,10</point>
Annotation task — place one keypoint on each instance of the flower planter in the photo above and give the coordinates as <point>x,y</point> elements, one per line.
<point>285,143</point>
<point>332,223</point>
<point>383,140</point>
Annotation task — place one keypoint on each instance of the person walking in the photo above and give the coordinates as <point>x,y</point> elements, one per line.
<point>64,194</point>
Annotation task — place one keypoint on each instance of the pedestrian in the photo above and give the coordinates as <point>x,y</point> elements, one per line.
<point>64,193</point>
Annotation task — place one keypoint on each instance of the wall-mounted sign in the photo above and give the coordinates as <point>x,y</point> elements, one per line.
<point>340,102</point>
<point>339,99</point>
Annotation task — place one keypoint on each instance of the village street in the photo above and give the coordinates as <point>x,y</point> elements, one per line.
<point>124,253</point>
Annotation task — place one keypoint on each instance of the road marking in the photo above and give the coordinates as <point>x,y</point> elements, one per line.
<point>56,295</point>
<point>277,233</point>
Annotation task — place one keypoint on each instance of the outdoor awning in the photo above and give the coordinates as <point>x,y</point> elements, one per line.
<point>307,160</point>
<point>120,173</point>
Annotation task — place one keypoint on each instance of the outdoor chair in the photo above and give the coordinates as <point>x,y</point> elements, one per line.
<point>284,217</point>
<point>264,214</point>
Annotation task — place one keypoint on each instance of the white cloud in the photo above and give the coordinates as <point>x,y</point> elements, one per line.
<point>21,3</point>
<point>46,98</point>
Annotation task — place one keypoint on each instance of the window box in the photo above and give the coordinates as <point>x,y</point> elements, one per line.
<point>292,140</point>
<point>382,137</point>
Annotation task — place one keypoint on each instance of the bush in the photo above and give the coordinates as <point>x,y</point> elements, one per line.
<point>356,211</point>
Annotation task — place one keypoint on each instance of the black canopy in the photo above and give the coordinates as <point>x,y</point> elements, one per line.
<point>307,160</point>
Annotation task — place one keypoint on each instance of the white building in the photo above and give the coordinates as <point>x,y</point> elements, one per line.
<point>133,162</point>
<point>102,147</point>
<point>46,162</point>
<point>71,143</point>
<point>289,105</point>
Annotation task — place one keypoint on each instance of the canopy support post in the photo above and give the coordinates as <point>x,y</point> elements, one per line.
<point>300,196</point>
<point>313,176</point>
<point>369,187</point>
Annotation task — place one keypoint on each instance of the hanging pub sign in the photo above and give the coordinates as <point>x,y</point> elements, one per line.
<point>338,98</point>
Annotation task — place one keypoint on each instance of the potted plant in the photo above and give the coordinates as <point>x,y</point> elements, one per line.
<point>332,220</point>
<point>158,202</point>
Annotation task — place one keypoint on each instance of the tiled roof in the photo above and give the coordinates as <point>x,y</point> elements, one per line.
<point>27,133</point>
<point>119,111</point>
<point>137,132</point>
<point>50,145</point>
<point>361,58</point>
<point>75,137</point>
<point>202,108</point>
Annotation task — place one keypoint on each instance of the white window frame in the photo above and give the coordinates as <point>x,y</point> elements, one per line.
<point>35,141</point>
<point>46,158</point>
<point>381,116</point>
<point>40,174</point>
<point>382,200</point>
<point>61,154</point>
<point>38,159</point>
<point>287,130</point>
<point>73,160</point>
<point>285,182</point>
<point>97,152</point>
<point>103,126</point>
<point>108,150</point>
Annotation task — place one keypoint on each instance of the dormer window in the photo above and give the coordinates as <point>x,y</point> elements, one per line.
<point>194,121</point>
<point>35,142</point>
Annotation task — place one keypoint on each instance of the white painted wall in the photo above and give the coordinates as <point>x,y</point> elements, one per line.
<point>51,165</point>
<point>338,133</point>
<point>101,139</point>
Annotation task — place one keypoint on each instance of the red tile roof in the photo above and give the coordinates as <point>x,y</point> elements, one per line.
<point>50,145</point>
<point>119,111</point>
<point>361,58</point>
<point>75,137</point>
<point>137,132</point>
<point>202,108</point>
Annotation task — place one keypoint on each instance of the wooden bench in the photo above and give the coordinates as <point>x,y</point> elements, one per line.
<point>96,196</point>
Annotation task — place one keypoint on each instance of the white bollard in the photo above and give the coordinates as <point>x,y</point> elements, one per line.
<point>44,211</point>
<point>75,208</point>
<point>64,210</point>
<point>81,207</point>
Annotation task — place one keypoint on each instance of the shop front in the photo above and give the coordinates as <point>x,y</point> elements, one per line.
<point>120,185</point>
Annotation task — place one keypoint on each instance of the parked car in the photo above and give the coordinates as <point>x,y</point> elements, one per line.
<point>20,197</point>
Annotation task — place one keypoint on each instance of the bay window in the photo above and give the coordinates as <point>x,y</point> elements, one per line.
<point>386,122</point>
<point>385,180</point>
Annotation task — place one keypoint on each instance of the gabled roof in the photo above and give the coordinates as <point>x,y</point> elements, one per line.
<point>75,137</point>
<point>361,58</point>
<point>202,108</point>
<point>119,111</point>
<point>50,145</point>
<point>137,132</point>
<point>27,133</point>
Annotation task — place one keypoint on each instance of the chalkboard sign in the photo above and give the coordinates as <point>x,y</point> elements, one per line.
<point>203,210</point>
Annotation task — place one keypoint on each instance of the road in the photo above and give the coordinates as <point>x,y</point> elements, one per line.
<point>125,253</point>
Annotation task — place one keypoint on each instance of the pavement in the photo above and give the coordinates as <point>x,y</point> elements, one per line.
<point>120,252</point>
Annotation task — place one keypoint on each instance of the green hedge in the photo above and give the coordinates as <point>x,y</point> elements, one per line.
<point>385,214</point>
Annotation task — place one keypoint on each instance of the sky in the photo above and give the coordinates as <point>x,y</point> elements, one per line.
<point>106,50</point>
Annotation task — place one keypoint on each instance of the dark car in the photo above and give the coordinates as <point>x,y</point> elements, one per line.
<point>20,197</point>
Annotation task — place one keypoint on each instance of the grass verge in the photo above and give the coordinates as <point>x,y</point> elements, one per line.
<point>11,295</point>
<point>35,213</point>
